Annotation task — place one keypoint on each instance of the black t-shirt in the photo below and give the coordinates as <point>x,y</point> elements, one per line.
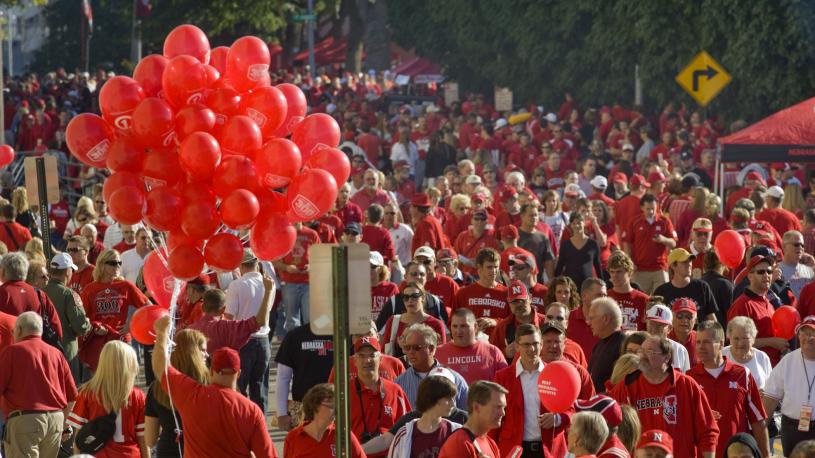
<point>166,447</point>
<point>578,264</point>
<point>537,244</point>
<point>310,357</point>
<point>697,291</point>
<point>722,289</point>
<point>605,354</point>
<point>456,416</point>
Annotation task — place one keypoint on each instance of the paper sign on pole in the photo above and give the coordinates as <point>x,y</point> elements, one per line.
<point>503,99</point>
<point>450,93</point>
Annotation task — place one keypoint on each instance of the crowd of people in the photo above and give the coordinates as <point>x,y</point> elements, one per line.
<point>500,242</point>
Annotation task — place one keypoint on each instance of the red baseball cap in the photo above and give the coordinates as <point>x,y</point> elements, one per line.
<point>401,165</point>
<point>446,253</point>
<point>639,181</point>
<point>225,359</point>
<point>755,176</point>
<point>509,232</point>
<point>683,304</point>
<point>808,322</point>
<point>516,291</point>
<point>604,405</point>
<point>656,438</point>
<point>523,259</point>
<point>507,193</point>
<point>420,200</point>
<point>366,341</point>
<point>780,166</point>
<point>479,196</point>
<point>655,177</point>
<point>619,177</point>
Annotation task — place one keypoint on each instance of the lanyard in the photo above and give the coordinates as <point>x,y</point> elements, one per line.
<point>362,407</point>
<point>810,382</point>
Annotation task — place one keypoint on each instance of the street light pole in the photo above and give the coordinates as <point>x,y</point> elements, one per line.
<point>311,26</point>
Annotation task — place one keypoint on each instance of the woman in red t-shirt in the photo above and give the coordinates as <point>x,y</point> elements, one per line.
<point>316,436</point>
<point>112,389</point>
<point>413,295</point>
<point>109,296</point>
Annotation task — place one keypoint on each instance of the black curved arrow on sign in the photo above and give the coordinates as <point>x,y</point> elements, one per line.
<point>710,73</point>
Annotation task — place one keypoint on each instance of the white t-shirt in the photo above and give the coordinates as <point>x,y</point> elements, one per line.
<point>243,298</point>
<point>132,263</point>
<point>681,360</point>
<point>760,366</point>
<point>788,384</point>
<point>402,236</point>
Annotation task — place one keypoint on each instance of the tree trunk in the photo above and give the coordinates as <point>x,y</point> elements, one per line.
<point>377,37</point>
<point>356,33</point>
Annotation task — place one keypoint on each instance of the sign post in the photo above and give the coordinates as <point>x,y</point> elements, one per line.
<point>703,78</point>
<point>41,180</point>
<point>340,304</point>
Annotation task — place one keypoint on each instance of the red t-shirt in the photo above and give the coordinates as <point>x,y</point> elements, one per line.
<point>480,361</point>
<point>734,394</point>
<point>781,219</point>
<point>484,302</point>
<point>434,323</point>
<point>627,210</point>
<point>350,213</point>
<point>129,422</point>
<point>648,255</point>
<point>7,323</point>
<point>108,302</point>
<point>299,255</point>
<point>759,309</point>
<point>379,239</point>
<point>218,421</point>
<point>468,245</point>
<point>34,376</point>
<point>225,333</point>
<point>377,411</point>
<point>632,306</point>
<point>17,297</point>
<point>299,444</point>
<point>381,294</point>
<point>537,294</point>
<point>461,445</point>
<point>14,235</point>
<point>389,368</point>
<point>580,332</point>
<point>443,286</point>
<point>574,353</point>
<point>428,232</point>
<point>81,278</point>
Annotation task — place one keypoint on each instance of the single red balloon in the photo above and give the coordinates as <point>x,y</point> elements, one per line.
<point>234,172</point>
<point>277,162</point>
<point>332,161</point>
<point>118,98</point>
<point>225,102</point>
<point>218,58</point>
<point>199,155</point>
<point>153,123</point>
<point>240,135</point>
<point>730,248</point>
<point>125,156</point>
<point>89,138</point>
<point>119,180</point>
<point>193,118</point>
<point>785,322</point>
<point>184,81</point>
<point>247,63</point>
<point>224,252</point>
<point>6,155</point>
<point>162,168</point>
<point>267,107</point>
<point>142,321</point>
<point>127,205</point>
<point>199,219</point>
<point>311,194</point>
<point>148,74</point>
<point>239,209</point>
<point>272,237</point>
<point>158,279</point>
<point>164,204</point>
<point>296,108</point>
<point>186,262</point>
<point>213,75</point>
<point>187,39</point>
<point>316,130</point>
<point>558,386</point>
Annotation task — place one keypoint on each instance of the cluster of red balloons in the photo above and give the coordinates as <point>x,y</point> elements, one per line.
<point>198,140</point>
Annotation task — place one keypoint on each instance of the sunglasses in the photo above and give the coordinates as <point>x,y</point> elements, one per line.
<point>479,218</point>
<point>350,233</point>
<point>74,250</point>
<point>113,263</point>
<point>408,297</point>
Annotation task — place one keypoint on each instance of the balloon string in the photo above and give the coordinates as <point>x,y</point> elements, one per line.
<point>171,334</point>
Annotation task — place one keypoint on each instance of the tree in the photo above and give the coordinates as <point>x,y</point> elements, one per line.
<point>540,49</point>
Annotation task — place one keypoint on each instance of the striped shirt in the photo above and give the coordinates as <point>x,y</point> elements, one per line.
<point>410,379</point>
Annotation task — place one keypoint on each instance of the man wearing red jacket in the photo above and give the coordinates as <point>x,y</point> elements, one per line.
<point>531,425</point>
<point>668,400</point>
<point>474,239</point>
<point>731,390</point>
<point>427,230</point>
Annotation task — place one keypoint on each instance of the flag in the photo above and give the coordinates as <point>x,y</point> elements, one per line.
<point>87,11</point>
<point>143,8</point>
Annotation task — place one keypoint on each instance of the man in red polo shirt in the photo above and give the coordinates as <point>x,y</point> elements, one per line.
<point>474,239</point>
<point>217,419</point>
<point>17,296</point>
<point>376,236</point>
<point>375,403</point>
<point>730,388</point>
<point>647,240</point>
<point>753,304</point>
<point>503,334</point>
<point>486,297</point>
<point>78,249</point>
<point>427,230</point>
<point>13,234</point>
<point>347,211</point>
<point>632,301</point>
<point>579,329</point>
<point>370,193</point>
<point>37,391</point>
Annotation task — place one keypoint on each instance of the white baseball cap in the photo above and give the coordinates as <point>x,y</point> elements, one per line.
<point>599,182</point>
<point>63,261</point>
<point>376,259</point>
<point>659,313</point>
<point>425,251</point>
<point>439,371</point>
<point>775,191</point>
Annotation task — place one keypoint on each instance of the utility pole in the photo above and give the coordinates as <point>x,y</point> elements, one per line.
<point>311,24</point>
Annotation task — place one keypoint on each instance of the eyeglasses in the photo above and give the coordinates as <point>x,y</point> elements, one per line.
<point>555,318</point>
<point>446,262</point>
<point>426,262</point>
<point>113,263</point>
<point>763,272</point>
<point>390,213</point>
<point>418,347</point>
<point>413,296</point>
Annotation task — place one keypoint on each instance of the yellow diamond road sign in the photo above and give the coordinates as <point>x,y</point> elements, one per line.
<point>703,78</point>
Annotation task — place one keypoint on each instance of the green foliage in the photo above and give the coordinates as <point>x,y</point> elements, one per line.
<point>541,48</point>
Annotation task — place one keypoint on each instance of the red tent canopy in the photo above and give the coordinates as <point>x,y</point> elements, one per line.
<point>327,51</point>
<point>420,70</point>
<point>786,136</point>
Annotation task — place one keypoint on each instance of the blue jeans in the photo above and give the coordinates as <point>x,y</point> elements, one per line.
<point>254,379</point>
<point>295,299</point>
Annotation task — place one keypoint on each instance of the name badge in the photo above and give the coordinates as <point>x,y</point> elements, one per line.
<point>804,419</point>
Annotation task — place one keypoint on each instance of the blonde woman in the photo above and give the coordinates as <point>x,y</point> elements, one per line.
<point>112,390</point>
<point>793,198</point>
<point>458,218</point>
<point>630,428</point>
<point>83,215</point>
<point>189,357</point>
<point>34,250</point>
<point>37,274</point>
<point>625,365</point>
<point>25,217</point>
